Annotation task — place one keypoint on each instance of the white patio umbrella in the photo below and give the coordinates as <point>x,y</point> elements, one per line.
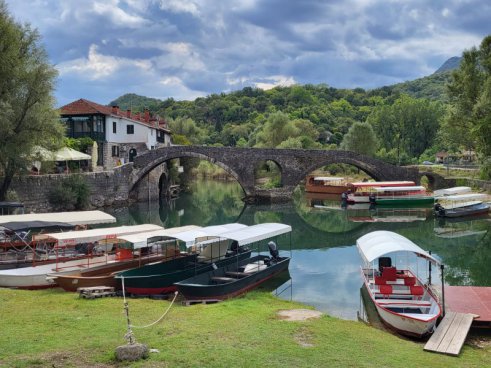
<point>69,154</point>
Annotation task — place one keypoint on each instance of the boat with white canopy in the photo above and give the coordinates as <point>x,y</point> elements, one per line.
<point>403,301</point>
<point>325,184</point>
<point>402,196</point>
<point>134,250</point>
<point>451,191</point>
<point>458,205</point>
<point>238,277</point>
<point>19,234</point>
<point>205,247</point>
<point>360,192</point>
<point>65,244</point>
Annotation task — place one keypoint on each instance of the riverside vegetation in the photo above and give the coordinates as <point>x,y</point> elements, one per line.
<point>243,332</point>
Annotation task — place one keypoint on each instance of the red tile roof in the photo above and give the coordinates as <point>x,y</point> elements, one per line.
<point>84,107</point>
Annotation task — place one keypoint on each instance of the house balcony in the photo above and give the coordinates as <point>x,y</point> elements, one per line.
<point>96,136</point>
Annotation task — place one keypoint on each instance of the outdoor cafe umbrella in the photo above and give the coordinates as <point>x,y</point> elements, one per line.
<point>69,154</point>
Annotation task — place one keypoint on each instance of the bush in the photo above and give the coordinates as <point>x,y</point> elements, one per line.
<point>71,194</point>
<point>485,172</point>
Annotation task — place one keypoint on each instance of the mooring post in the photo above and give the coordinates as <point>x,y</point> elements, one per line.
<point>442,267</point>
<point>429,269</point>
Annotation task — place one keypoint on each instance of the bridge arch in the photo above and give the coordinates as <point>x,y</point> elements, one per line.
<point>160,160</point>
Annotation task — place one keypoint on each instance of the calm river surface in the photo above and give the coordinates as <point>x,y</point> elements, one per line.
<point>325,263</point>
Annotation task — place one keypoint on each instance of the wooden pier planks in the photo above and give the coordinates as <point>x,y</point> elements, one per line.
<point>450,334</point>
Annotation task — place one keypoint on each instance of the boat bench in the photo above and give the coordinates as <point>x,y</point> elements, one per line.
<point>410,290</point>
<point>222,280</point>
<point>237,274</point>
<point>403,303</point>
<point>408,281</point>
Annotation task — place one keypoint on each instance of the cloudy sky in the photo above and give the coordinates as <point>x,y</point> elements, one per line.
<point>189,48</point>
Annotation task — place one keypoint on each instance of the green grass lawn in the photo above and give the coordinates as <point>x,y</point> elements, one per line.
<point>52,328</point>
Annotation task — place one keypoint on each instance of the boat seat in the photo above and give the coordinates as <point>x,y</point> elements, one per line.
<point>389,273</point>
<point>379,280</point>
<point>417,290</point>
<point>385,289</point>
<point>397,302</point>
<point>236,274</point>
<point>222,280</point>
<point>410,281</point>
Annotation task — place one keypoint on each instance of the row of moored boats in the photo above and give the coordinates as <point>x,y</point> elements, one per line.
<point>214,262</point>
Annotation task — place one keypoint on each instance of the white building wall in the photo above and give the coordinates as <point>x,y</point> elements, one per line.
<point>142,133</point>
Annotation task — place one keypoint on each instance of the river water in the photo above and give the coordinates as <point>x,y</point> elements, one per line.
<point>325,265</point>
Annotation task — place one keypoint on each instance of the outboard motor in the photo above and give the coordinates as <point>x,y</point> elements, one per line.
<point>371,199</point>
<point>273,250</point>
<point>344,200</point>
<point>439,210</point>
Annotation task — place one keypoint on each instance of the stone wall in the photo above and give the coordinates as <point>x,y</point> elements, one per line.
<point>106,188</point>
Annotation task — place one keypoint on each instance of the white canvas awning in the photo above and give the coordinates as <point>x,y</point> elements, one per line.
<point>381,183</point>
<point>88,236</point>
<point>464,197</point>
<point>399,189</point>
<point>73,218</point>
<point>140,240</point>
<point>451,191</point>
<point>379,243</point>
<point>328,178</point>
<point>258,232</point>
<point>191,236</point>
<point>69,154</point>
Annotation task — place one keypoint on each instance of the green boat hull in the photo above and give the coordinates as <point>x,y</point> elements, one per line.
<point>404,202</point>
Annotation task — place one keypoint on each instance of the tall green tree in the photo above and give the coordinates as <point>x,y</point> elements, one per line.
<point>409,125</point>
<point>360,138</point>
<point>182,126</point>
<point>469,120</point>
<point>27,114</point>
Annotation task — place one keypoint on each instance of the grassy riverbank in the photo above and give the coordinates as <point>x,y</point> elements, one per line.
<point>52,328</point>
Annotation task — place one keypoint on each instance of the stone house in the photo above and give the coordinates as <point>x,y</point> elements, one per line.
<point>120,135</point>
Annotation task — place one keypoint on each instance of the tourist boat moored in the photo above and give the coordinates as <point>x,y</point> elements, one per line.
<point>134,250</point>
<point>403,302</point>
<point>207,250</point>
<point>238,277</point>
<point>326,184</point>
<point>459,205</point>
<point>360,192</point>
<point>402,196</point>
<point>79,242</point>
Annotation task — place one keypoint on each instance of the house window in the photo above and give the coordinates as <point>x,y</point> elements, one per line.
<point>115,151</point>
<point>130,129</point>
<point>114,127</point>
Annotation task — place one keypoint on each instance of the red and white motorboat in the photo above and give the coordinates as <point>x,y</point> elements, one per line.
<point>403,302</point>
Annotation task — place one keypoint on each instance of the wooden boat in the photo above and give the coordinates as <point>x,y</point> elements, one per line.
<point>459,205</point>
<point>219,251</point>
<point>235,278</point>
<point>403,302</point>
<point>206,248</point>
<point>35,277</point>
<point>23,244</point>
<point>402,196</point>
<point>325,184</point>
<point>360,192</point>
<point>144,248</point>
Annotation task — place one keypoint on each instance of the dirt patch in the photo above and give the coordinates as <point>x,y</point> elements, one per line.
<point>298,314</point>
<point>304,338</point>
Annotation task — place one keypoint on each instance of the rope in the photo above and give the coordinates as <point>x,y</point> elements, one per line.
<point>151,324</point>
<point>163,315</point>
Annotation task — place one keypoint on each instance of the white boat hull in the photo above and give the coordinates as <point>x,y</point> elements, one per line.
<point>36,277</point>
<point>405,325</point>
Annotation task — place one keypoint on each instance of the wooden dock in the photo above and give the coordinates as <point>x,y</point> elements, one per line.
<point>450,334</point>
<point>470,299</point>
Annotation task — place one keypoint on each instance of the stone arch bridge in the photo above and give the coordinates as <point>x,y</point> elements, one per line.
<point>294,165</point>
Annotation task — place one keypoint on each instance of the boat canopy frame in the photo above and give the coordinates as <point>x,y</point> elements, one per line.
<point>380,243</point>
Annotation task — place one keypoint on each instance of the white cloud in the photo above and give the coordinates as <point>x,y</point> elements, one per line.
<point>98,66</point>
<point>180,6</point>
<point>120,18</point>
<point>274,81</point>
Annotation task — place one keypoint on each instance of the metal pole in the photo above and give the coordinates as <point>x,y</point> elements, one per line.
<point>442,267</point>
<point>429,269</point>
